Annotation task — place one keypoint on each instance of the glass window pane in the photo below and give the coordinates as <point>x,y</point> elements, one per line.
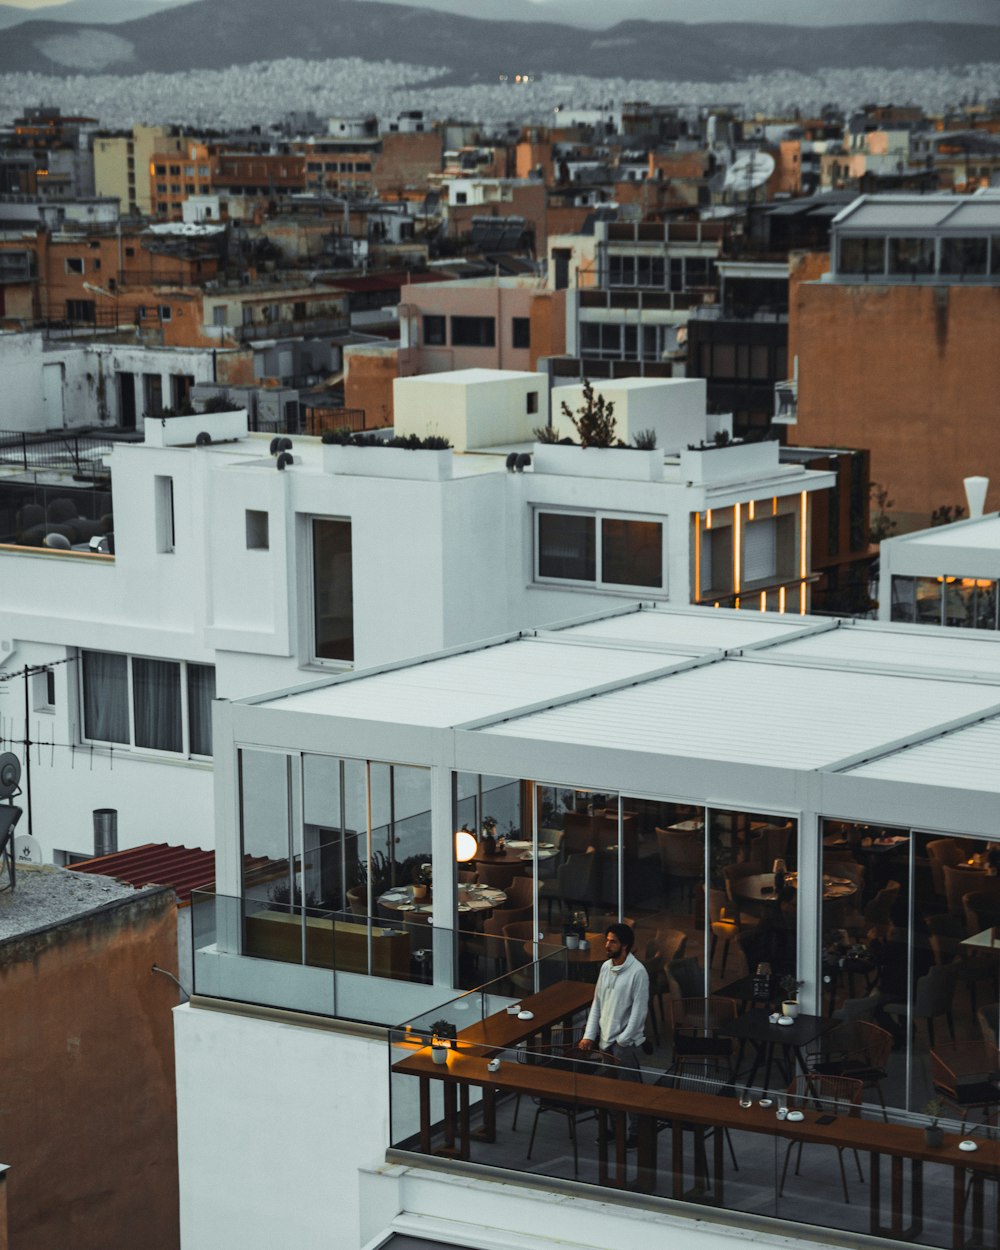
<point>929,596</point>
<point>963,256</point>
<point>911,256</point>
<point>333,590</point>
<point>156,701</point>
<point>201,692</point>
<point>105,697</point>
<point>904,600</point>
<point>566,546</point>
<point>862,255</point>
<point>632,552</point>
<point>752,864</point>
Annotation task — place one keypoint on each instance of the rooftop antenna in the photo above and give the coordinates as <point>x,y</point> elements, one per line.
<point>10,775</point>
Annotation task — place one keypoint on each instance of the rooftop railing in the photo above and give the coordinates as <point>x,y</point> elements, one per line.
<point>509,1089</point>
<point>343,964</point>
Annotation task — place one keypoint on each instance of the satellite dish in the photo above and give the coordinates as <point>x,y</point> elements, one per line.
<point>749,171</point>
<point>27,849</point>
<point>10,774</point>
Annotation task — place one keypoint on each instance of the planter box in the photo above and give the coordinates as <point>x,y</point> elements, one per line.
<point>728,464</point>
<point>182,431</point>
<point>628,464</point>
<point>399,462</point>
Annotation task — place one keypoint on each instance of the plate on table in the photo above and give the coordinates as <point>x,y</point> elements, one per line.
<point>795,1116</point>
<point>526,855</point>
<point>407,907</point>
<point>464,907</point>
<point>395,896</point>
<point>546,846</point>
<point>785,1020</point>
<point>525,1015</point>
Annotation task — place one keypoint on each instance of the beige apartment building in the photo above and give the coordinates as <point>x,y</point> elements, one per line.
<point>122,164</point>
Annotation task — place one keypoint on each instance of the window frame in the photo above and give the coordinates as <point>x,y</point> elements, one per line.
<point>183,666</point>
<point>598,517</point>
<point>314,658</point>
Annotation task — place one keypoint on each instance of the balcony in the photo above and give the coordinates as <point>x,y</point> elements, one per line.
<point>484,1086</point>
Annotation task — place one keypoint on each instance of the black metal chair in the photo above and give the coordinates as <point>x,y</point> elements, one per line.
<point>570,1059</point>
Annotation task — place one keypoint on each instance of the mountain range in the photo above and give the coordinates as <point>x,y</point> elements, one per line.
<point>90,12</point>
<point>214,34</point>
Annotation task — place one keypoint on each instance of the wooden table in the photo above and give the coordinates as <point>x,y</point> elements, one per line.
<point>556,1004</point>
<point>904,1146</point>
<point>469,899</point>
<point>760,887</point>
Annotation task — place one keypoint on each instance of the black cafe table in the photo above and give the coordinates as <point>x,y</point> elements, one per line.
<point>756,1028</point>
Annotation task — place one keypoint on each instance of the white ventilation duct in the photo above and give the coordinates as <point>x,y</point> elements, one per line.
<point>975,494</point>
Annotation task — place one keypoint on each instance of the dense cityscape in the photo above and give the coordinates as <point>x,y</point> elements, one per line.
<point>499,624</point>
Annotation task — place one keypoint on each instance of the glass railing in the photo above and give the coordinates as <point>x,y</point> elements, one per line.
<point>517,1095</point>
<point>372,969</point>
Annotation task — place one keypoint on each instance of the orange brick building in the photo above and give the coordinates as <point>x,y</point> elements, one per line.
<point>897,347</point>
<point>89,1106</point>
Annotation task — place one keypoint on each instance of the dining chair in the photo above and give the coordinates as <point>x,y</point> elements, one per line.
<point>944,851</point>
<point>706,1073</point>
<point>573,1061</point>
<point>988,1020</point>
<point>982,911</point>
<point>959,881</point>
<point>682,858</point>
<point>945,934</point>
<point>520,964</point>
<point>878,913</point>
<point>498,875</point>
<point>967,1075</point>
<point>835,1095</point>
<point>520,893</point>
<point>357,900</point>
<point>932,997</point>
<point>577,881</point>
<point>693,1022</point>
<point>725,924</point>
<point>858,1049</point>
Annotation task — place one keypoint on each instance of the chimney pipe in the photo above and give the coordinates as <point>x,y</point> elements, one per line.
<point>975,494</point>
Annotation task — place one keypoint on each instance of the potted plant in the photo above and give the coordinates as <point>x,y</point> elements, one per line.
<point>790,992</point>
<point>933,1131</point>
<point>443,1034</point>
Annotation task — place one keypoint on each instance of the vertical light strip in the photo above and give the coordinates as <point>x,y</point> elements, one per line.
<point>804,535</point>
<point>737,543</point>
<point>774,506</point>
<point>763,600</point>
<point>781,598</point>
<point>751,509</point>
<point>802,598</point>
<point>697,557</point>
<point>708,519</point>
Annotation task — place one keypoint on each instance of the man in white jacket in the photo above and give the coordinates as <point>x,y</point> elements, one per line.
<point>617,1018</point>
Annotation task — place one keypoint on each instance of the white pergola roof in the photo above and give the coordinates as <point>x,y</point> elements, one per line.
<point>800,694</point>
<point>758,712</point>
<point>965,759</point>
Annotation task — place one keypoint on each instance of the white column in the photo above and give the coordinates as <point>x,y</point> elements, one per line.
<point>445,914</point>
<point>810,912</point>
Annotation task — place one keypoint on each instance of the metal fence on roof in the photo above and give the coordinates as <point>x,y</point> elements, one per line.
<point>84,453</point>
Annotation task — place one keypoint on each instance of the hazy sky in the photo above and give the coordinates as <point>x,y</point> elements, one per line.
<point>601,13</point>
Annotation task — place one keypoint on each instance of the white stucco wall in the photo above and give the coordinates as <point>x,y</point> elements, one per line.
<point>274,1122</point>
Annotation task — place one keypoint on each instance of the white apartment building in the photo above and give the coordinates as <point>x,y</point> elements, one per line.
<point>234,572</point>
